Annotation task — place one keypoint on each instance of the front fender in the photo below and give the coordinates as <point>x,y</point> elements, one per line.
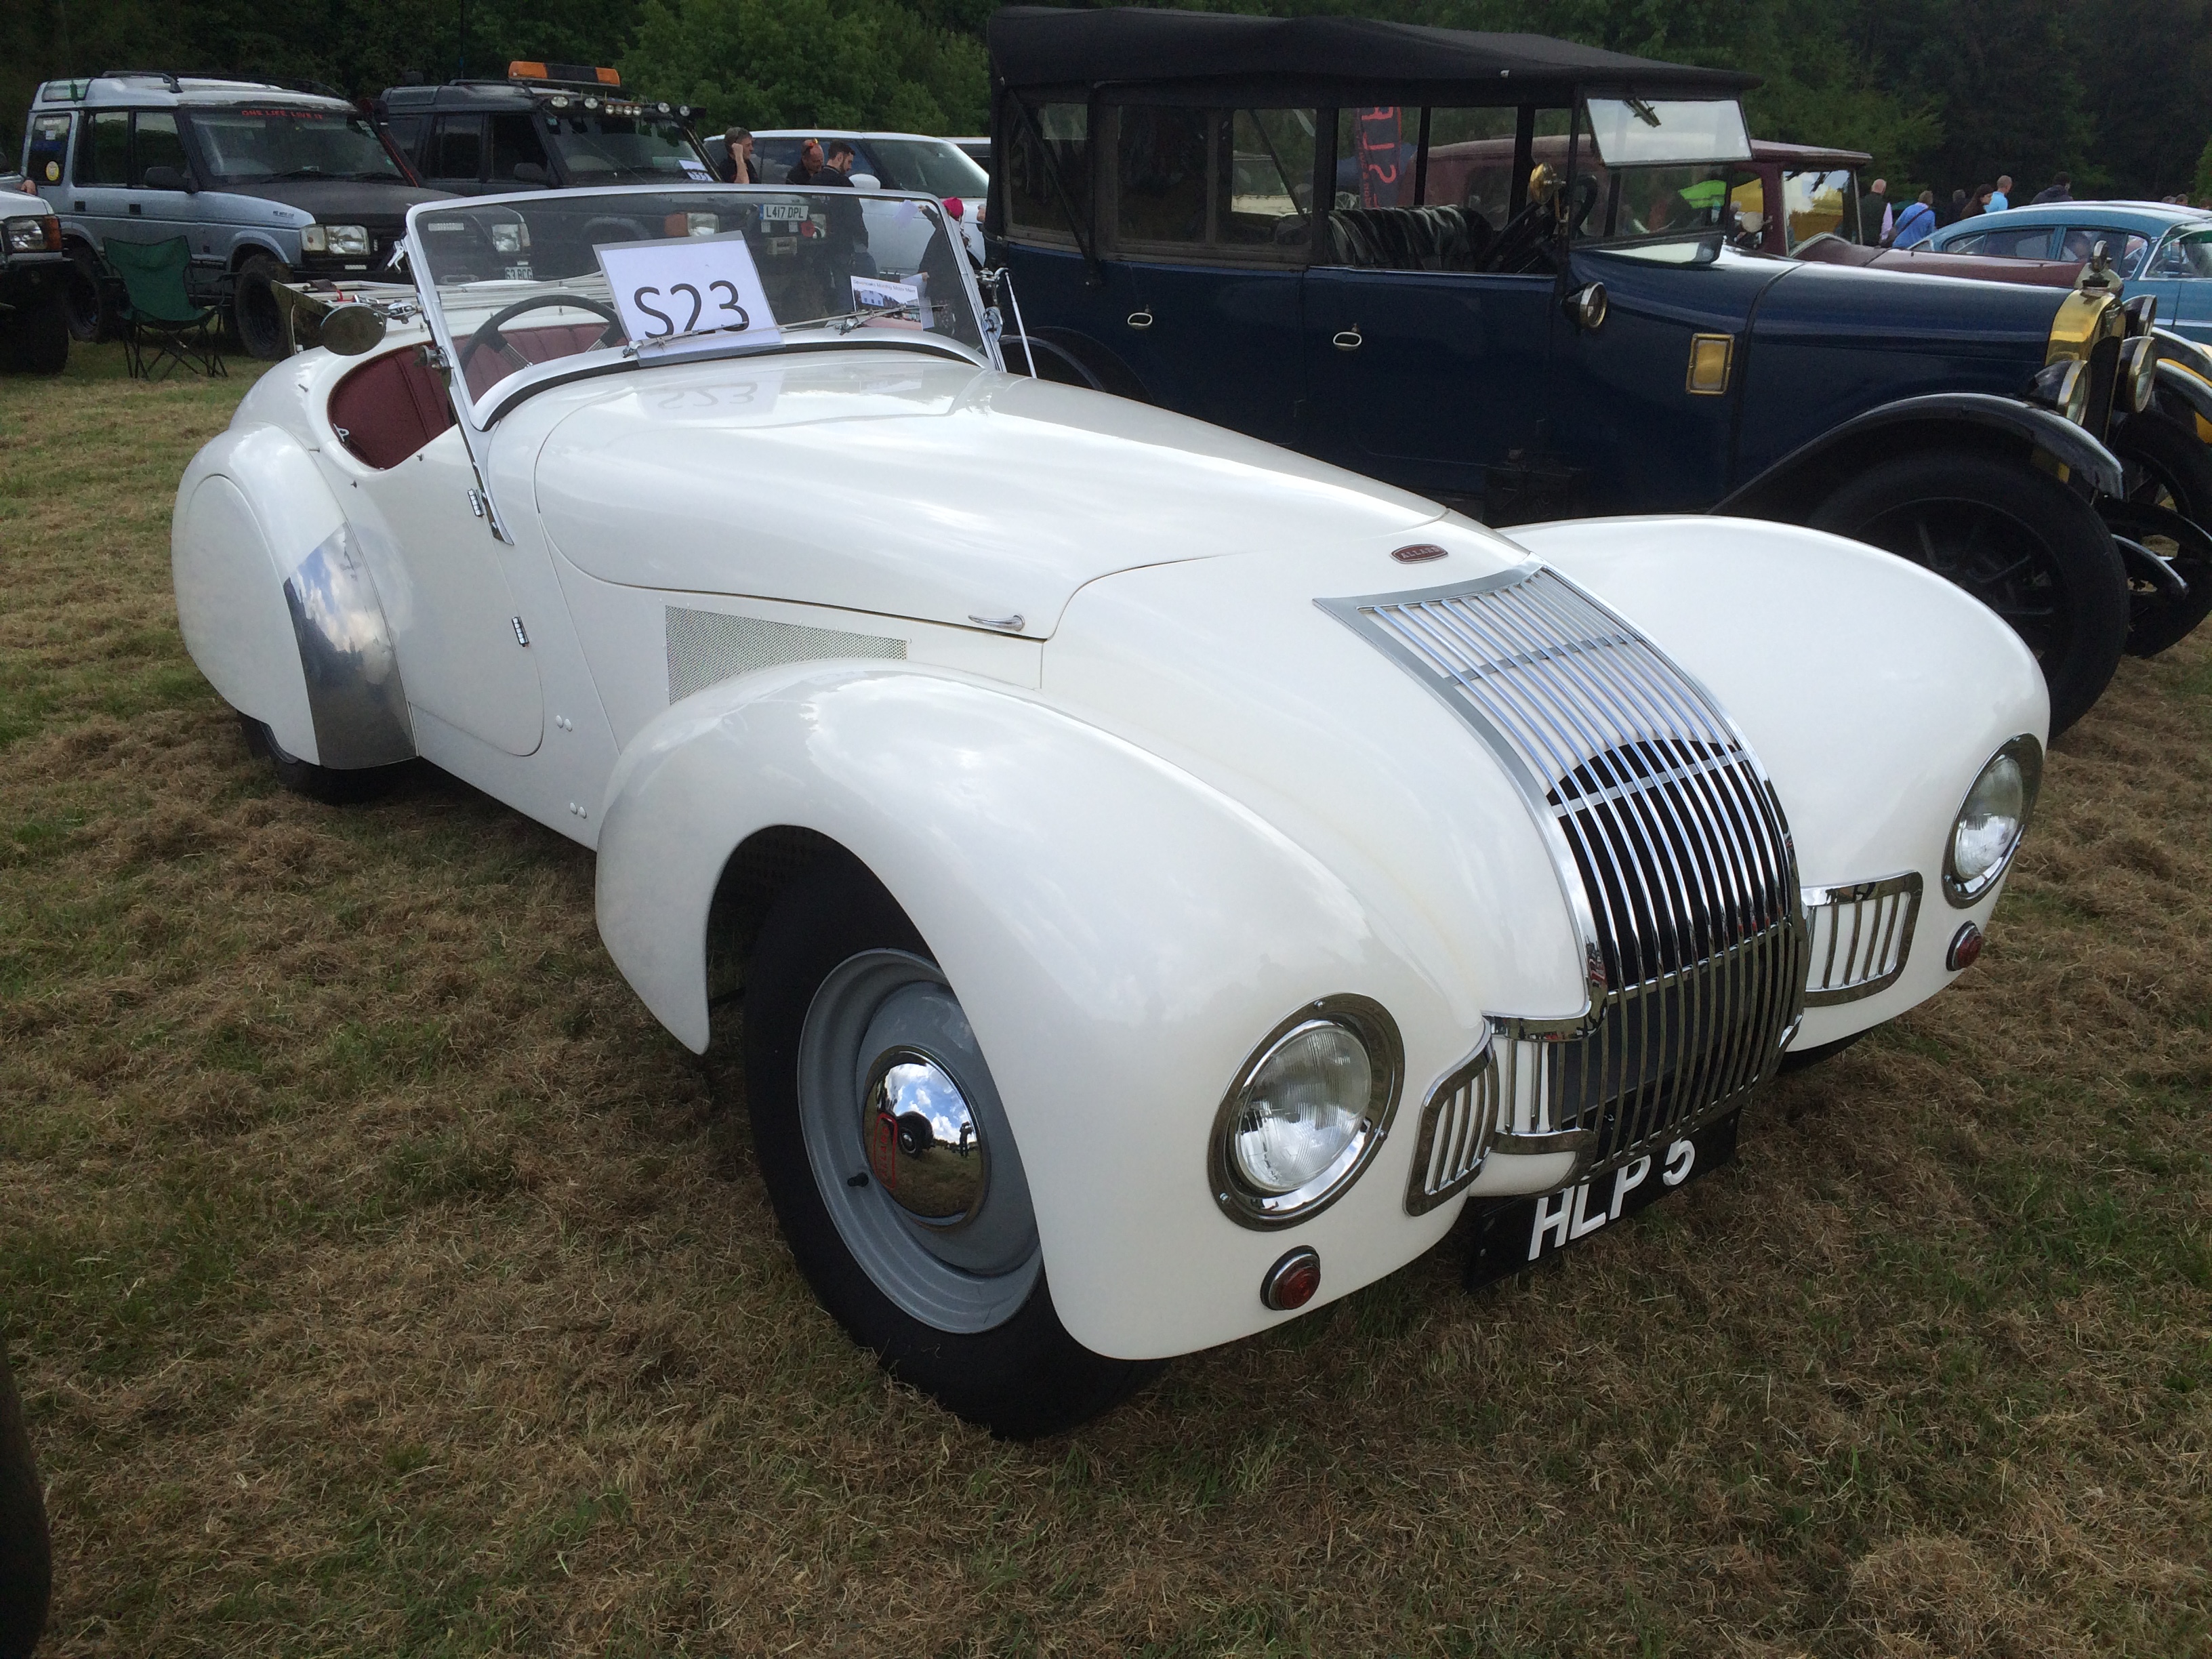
<point>1874,691</point>
<point>1120,935</point>
<point>1782,488</point>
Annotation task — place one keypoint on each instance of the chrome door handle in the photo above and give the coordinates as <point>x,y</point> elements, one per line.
<point>1350,340</point>
<point>1140,320</point>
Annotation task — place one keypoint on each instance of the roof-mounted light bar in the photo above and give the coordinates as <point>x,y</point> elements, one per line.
<point>574,75</point>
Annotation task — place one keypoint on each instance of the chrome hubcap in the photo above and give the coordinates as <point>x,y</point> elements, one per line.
<point>925,1147</point>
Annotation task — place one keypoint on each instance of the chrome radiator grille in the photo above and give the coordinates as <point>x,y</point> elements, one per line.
<point>1674,858</point>
<point>1858,937</point>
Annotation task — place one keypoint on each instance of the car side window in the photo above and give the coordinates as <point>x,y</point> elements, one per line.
<point>1429,190</point>
<point>1047,171</point>
<point>777,157</point>
<point>1212,185</point>
<point>48,150</point>
<point>457,147</point>
<point>407,133</point>
<point>2182,257</point>
<point>2031,243</point>
<point>103,156</point>
<point>157,144</point>
<point>514,142</point>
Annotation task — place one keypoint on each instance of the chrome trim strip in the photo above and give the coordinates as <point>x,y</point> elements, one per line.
<point>355,697</point>
<point>1670,846</point>
<point>1860,935</point>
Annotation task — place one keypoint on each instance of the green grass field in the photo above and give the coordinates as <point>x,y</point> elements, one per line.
<point>380,1279</point>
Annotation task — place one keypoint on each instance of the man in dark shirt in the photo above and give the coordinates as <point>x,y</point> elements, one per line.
<point>2061,190</point>
<point>808,169</point>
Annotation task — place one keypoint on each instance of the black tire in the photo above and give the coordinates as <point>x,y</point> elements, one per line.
<point>2167,465</point>
<point>2018,540</point>
<point>38,339</point>
<point>1799,1060</point>
<point>27,1566</point>
<point>330,785</point>
<point>254,314</point>
<point>85,297</point>
<point>1022,1376</point>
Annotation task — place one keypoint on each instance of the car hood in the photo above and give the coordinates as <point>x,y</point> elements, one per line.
<point>336,201</point>
<point>1873,309</point>
<point>915,485</point>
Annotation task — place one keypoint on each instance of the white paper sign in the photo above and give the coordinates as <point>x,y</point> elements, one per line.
<point>882,291</point>
<point>697,292</point>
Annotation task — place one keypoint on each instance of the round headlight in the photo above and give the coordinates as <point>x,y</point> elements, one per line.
<point>2139,372</point>
<point>1992,820</point>
<point>1307,1111</point>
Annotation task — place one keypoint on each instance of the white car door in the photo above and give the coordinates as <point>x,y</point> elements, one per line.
<point>458,631</point>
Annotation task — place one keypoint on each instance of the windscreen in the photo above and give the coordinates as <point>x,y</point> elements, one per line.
<point>929,167</point>
<point>1632,131</point>
<point>520,282</point>
<point>609,149</point>
<point>242,145</point>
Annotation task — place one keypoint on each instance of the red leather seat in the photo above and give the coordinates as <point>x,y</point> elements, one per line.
<point>389,407</point>
<point>487,368</point>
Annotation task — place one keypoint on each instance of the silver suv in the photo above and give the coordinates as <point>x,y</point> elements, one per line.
<point>263,181</point>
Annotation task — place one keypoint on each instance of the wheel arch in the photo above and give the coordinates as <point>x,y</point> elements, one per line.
<point>1983,422</point>
<point>1120,935</point>
<point>1088,363</point>
<point>247,246</point>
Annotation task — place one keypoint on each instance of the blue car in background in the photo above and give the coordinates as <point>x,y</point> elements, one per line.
<point>1505,271</point>
<point>2155,249</point>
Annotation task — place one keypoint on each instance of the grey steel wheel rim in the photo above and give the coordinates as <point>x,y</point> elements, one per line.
<point>963,1279</point>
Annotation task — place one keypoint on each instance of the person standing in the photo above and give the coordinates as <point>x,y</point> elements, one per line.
<point>807,170</point>
<point>1914,224</point>
<point>1958,205</point>
<point>740,168</point>
<point>1874,215</point>
<point>2000,198</point>
<point>2060,189</point>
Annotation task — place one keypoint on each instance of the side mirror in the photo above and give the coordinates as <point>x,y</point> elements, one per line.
<point>866,181</point>
<point>351,330</point>
<point>161,178</point>
<point>529,172</point>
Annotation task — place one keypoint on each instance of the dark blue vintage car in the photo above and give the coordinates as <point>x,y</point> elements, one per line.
<point>1496,269</point>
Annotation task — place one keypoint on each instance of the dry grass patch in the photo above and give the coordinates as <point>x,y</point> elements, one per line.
<point>380,1278</point>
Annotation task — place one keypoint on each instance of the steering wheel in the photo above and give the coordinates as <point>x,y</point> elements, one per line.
<point>488,337</point>
<point>1522,234</point>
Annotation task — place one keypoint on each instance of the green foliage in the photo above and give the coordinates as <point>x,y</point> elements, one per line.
<point>800,63</point>
<point>1949,92</point>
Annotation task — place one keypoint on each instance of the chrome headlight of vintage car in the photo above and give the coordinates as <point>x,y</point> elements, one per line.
<point>335,238</point>
<point>2139,373</point>
<point>1308,1109</point>
<point>2064,387</point>
<point>1991,821</point>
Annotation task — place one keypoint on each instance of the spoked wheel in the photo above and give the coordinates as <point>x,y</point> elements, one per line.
<point>893,1168</point>
<point>2018,540</point>
<point>2167,468</point>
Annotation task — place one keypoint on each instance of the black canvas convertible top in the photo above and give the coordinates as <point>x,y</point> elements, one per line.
<point>1122,51</point>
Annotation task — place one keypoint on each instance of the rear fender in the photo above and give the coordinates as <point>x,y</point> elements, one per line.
<point>1121,936</point>
<point>1800,479</point>
<point>1873,690</point>
<point>276,607</point>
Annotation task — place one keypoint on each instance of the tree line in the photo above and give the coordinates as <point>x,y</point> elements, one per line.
<point>1949,93</point>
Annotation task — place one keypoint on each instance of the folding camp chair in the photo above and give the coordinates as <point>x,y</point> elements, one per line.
<point>159,312</point>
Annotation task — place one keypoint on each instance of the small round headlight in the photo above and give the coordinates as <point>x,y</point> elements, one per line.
<point>1308,1109</point>
<point>2139,373</point>
<point>1992,820</point>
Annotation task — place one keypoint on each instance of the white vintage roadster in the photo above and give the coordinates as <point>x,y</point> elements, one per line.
<point>1168,878</point>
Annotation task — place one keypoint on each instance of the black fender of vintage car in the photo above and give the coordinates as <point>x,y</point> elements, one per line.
<point>1776,490</point>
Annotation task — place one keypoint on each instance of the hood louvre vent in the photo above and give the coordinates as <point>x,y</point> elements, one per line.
<point>706,647</point>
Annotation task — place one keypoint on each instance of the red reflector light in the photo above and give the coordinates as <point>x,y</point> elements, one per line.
<point>1965,948</point>
<point>956,207</point>
<point>1291,1282</point>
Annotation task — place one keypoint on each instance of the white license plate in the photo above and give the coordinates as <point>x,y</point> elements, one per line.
<point>783,213</point>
